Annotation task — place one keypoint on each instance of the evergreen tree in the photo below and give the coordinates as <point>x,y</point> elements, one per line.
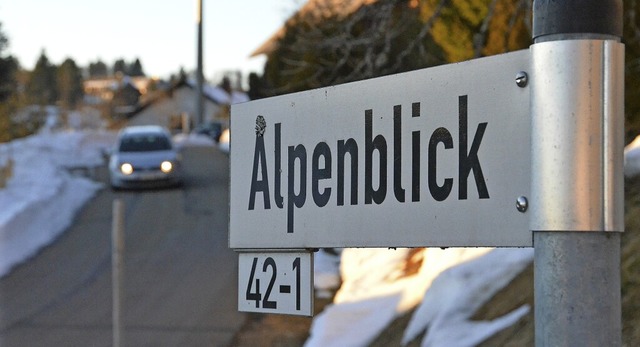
<point>631,40</point>
<point>256,87</point>
<point>8,69</point>
<point>69,78</point>
<point>135,69</point>
<point>42,87</point>
<point>120,67</point>
<point>98,69</point>
<point>8,90</point>
<point>8,84</point>
<point>474,28</point>
<point>324,45</point>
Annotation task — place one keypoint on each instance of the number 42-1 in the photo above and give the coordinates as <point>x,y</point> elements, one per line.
<point>270,269</point>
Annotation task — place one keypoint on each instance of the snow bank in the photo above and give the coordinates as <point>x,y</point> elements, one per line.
<point>375,291</point>
<point>43,193</point>
<point>457,293</point>
<point>366,301</point>
<point>449,288</point>
<point>632,158</point>
<point>50,182</point>
<point>326,272</point>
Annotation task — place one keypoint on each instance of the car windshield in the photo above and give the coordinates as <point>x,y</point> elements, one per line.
<point>144,143</point>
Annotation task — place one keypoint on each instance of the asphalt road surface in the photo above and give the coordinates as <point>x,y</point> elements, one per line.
<point>180,282</point>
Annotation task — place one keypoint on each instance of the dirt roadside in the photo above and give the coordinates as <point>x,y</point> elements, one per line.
<point>277,330</point>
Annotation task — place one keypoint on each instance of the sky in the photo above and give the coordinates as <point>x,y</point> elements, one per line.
<point>161,33</point>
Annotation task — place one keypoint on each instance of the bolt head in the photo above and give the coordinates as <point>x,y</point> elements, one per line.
<point>522,79</point>
<point>522,204</point>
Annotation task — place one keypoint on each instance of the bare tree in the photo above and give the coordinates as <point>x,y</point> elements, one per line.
<point>330,42</point>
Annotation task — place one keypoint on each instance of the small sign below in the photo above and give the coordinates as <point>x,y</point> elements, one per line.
<point>278,282</point>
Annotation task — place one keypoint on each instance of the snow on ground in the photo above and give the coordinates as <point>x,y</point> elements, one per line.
<point>459,291</point>
<point>51,181</point>
<point>449,287</point>
<point>48,184</point>
<point>632,158</point>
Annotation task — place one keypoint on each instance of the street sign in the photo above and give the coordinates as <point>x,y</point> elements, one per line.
<point>276,282</point>
<point>435,157</point>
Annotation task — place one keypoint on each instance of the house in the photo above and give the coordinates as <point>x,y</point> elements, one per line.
<point>125,98</point>
<point>136,99</point>
<point>168,106</point>
<point>101,90</point>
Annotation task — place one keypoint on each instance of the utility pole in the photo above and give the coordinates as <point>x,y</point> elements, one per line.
<point>200,72</point>
<point>577,204</point>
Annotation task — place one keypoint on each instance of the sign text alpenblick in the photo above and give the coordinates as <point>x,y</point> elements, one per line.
<point>347,158</point>
<point>435,157</point>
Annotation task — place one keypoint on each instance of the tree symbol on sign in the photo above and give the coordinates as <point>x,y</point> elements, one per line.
<point>261,126</point>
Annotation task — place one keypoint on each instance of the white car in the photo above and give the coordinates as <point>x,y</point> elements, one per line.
<point>144,156</point>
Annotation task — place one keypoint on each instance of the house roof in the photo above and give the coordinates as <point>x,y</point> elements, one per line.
<point>218,95</point>
<point>141,83</point>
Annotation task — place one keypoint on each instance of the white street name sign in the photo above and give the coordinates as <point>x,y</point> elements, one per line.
<point>435,158</point>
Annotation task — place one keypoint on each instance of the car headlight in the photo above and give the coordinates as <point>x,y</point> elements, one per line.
<point>166,166</point>
<point>126,168</point>
<point>225,136</point>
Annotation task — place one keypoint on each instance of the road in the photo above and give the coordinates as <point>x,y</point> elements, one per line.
<point>180,277</point>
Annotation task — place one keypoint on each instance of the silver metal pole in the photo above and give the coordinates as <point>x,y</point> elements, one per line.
<point>117,264</point>
<point>577,204</point>
<point>200,72</point>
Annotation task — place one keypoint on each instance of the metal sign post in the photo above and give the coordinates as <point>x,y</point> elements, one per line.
<point>577,115</point>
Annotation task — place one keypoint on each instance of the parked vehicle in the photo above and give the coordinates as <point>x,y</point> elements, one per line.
<point>212,129</point>
<point>144,156</point>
